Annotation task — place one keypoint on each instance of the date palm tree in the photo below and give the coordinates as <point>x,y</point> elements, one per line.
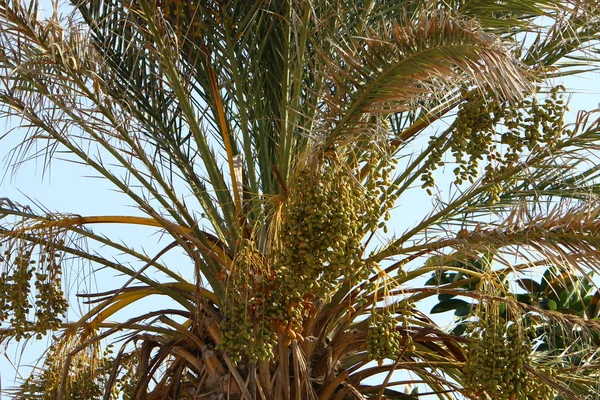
<point>277,143</point>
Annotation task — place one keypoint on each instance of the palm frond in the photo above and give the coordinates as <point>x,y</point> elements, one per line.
<point>391,71</point>
<point>270,142</point>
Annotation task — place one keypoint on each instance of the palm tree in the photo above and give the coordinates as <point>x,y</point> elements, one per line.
<point>276,143</point>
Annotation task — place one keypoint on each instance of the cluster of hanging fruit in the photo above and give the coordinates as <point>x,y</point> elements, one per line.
<point>324,220</point>
<point>128,380</point>
<point>245,328</point>
<point>323,225</point>
<point>86,375</point>
<point>498,133</point>
<point>328,211</point>
<point>21,265</point>
<point>386,335</point>
<point>497,356</point>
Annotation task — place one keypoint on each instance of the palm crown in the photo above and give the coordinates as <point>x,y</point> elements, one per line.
<point>274,142</point>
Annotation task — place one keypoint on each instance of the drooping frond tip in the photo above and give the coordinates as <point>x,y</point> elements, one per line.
<point>402,64</point>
